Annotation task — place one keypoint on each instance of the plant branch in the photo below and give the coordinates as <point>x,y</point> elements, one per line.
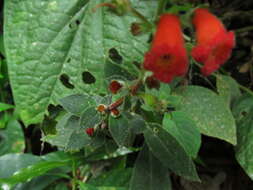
<point>140,16</point>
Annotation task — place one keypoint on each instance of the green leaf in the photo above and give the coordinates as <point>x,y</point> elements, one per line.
<point>4,106</point>
<point>227,88</point>
<point>2,46</point>
<point>243,109</point>
<point>184,129</point>
<point>113,178</point>
<point>12,138</point>
<point>149,173</point>
<point>124,127</point>
<point>209,111</point>
<point>90,118</point>
<point>77,103</point>
<point>35,170</point>
<point>38,183</point>
<point>84,186</point>
<point>70,136</point>
<point>48,162</point>
<point>46,41</point>
<point>11,163</point>
<point>167,149</point>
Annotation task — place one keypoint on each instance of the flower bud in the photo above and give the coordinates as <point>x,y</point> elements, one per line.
<point>90,131</point>
<point>115,113</point>
<point>101,108</point>
<point>115,86</point>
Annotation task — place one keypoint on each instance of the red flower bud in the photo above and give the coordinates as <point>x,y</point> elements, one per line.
<point>89,131</point>
<point>167,57</point>
<point>115,86</point>
<point>214,42</point>
<point>101,108</point>
<point>115,113</point>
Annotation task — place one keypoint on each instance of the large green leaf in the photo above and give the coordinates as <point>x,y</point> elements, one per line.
<point>227,88</point>
<point>168,150</point>
<point>56,48</point>
<point>37,168</point>
<point>179,125</point>
<point>243,111</point>
<point>149,173</point>
<point>209,111</point>
<point>11,163</point>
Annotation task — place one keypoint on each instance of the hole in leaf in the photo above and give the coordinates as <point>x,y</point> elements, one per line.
<point>65,81</point>
<point>77,22</point>
<point>115,56</point>
<point>88,78</point>
<point>244,113</point>
<point>68,60</point>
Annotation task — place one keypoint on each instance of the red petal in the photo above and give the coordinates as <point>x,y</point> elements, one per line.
<point>167,57</point>
<point>215,44</point>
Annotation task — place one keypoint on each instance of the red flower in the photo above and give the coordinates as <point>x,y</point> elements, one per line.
<point>90,131</point>
<point>214,42</point>
<point>167,57</point>
<point>115,86</point>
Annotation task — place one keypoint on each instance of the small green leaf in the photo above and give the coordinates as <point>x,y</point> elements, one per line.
<point>70,135</point>
<point>4,106</point>
<point>209,111</point>
<point>90,118</point>
<point>149,173</point>
<point>167,149</point>
<point>77,103</point>
<point>120,129</point>
<point>12,138</point>
<point>184,129</point>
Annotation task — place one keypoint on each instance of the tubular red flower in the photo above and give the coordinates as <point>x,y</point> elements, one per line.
<point>167,57</point>
<point>214,42</point>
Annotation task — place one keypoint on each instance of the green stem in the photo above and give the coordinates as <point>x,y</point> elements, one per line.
<point>160,7</point>
<point>74,180</point>
<point>250,92</point>
<point>140,16</point>
<point>245,29</point>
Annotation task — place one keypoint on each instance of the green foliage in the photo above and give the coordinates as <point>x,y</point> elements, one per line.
<point>69,38</point>
<point>243,111</point>
<point>62,56</point>
<point>180,126</point>
<point>168,150</point>
<point>210,112</point>
<point>149,173</point>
